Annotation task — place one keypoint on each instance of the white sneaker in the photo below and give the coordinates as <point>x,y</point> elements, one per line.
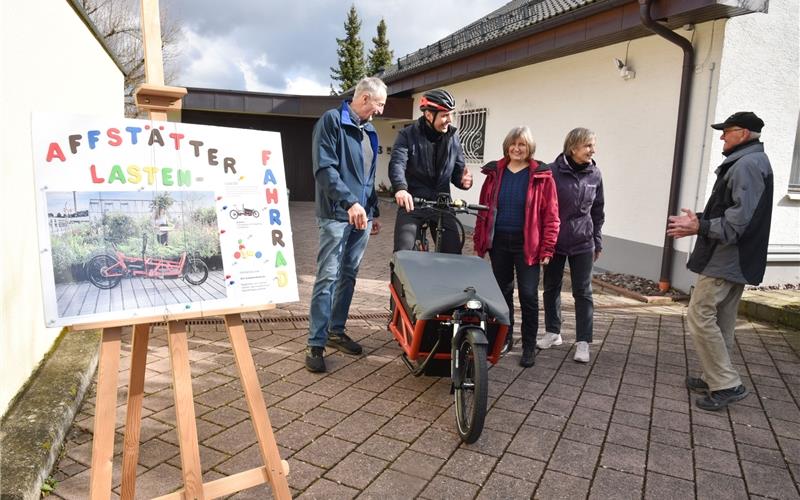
<point>548,340</point>
<point>581,352</point>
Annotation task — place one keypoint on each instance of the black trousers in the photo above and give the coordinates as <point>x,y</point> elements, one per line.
<point>580,273</point>
<point>407,224</point>
<point>508,257</point>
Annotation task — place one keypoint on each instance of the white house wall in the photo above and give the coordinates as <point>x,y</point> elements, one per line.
<point>760,72</point>
<point>634,119</point>
<point>50,62</point>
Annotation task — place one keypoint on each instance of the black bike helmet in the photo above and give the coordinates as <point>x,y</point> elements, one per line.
<point>437,100</point>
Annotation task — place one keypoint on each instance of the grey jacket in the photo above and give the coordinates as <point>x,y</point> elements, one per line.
<point>734,226</point>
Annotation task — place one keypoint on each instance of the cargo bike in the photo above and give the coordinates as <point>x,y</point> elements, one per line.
<point>449,316</point>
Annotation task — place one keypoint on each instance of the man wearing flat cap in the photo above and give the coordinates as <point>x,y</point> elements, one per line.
<point>731,251</point>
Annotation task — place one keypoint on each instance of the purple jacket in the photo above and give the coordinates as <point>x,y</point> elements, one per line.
<point>580,207</point>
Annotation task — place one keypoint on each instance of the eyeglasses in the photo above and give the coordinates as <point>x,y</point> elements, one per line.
<point>732,129</point>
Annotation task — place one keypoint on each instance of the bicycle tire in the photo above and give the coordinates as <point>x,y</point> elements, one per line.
<point>421,236</point>
<point>471,397</point>
<point>95,268</point>
<point>462,236</point>
<point>234,214</point>
<point>256,214</point>
<point>195,271</point>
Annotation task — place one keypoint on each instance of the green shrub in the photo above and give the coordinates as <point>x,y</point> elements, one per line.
<point>205,216</point>
<point>118,227</point>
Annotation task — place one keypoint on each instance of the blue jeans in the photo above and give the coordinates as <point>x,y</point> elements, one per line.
<point>580,273</point>
<point>508,255</point>
<point>341,247</point>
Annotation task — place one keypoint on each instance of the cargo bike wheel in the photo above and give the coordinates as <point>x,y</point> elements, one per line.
<point>104,271</point>
<point>471,378</point>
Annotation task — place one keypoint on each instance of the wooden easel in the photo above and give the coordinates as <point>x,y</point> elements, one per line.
<point>157,99</point>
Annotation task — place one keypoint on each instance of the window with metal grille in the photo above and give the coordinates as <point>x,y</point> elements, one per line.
<point>472,129</point>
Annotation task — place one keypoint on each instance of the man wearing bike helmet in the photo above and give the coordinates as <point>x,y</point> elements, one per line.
<point>427,158</point>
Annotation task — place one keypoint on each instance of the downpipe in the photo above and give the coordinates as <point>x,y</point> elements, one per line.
<point>680,130</point>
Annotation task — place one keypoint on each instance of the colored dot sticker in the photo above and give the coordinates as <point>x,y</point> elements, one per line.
<point>258,255</point>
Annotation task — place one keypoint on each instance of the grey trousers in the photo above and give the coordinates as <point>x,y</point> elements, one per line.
<point>712,321</point>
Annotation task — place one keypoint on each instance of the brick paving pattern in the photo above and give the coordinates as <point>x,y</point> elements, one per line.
<point>621,426</point>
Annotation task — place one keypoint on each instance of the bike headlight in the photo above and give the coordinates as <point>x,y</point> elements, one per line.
<point>474,304</point>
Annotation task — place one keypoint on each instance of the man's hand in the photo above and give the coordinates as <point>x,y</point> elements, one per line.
<point>545,261</point>
<point>357,216</point>
<point>404,200</point>
<point>597,255</point>
<point>376,226</point>
<point>683,225</point>
<point>466,179</point>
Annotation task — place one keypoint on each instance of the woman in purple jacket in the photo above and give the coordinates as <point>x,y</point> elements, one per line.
<point>580,208</point>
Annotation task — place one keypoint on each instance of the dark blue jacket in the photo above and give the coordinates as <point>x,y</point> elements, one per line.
<point>580,207</point>
<point>413,167</point>
<point>733,238</point>
<point>338,163</point>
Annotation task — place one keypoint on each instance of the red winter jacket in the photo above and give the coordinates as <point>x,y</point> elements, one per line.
<point>541,216</point>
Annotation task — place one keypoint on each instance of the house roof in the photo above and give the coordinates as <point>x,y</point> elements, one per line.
<point>299,106</point>
<point>530,31</point>
<point>509,18</point>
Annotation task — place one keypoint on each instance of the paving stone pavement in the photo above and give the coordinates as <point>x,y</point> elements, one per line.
<point>621,426</point>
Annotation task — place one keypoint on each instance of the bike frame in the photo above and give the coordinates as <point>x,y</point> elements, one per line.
<point>443,207</point>
<point>151,267</point>
<point>148,267</point>
<point>410,334</point>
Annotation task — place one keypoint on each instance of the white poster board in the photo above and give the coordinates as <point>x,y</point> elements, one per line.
<point>149,221</point>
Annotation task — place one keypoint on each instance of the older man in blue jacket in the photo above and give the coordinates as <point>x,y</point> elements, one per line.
<point>344,151</point>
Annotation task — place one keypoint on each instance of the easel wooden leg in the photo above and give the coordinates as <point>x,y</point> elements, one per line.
<point>184,411</point>
<point>105,414</point>
<point>258,409</point>
<point>133,421</point>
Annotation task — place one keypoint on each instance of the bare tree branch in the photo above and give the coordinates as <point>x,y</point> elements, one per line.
<point>119,25</point>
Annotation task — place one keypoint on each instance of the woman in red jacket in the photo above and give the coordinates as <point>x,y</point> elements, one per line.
<point>520,229</point>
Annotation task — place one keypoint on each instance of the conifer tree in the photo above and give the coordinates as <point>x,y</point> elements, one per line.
<point>352,66</point>
<point>380,57</point>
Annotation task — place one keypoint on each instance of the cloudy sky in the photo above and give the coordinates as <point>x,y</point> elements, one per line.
<point>288,46</point>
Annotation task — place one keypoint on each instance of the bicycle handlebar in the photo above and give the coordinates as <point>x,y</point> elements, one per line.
<point>456,204</point>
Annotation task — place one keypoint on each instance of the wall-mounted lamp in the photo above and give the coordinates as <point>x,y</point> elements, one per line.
<point>624,71</point>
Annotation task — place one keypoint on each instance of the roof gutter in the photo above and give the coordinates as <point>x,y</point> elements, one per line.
<point>680,132</point>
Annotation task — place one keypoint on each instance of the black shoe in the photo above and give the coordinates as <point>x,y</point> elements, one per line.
<point>717,400</point>
<point>315,362</point>
<point>344,343</point>
<point>528,358</point>
<point>696,384</point>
